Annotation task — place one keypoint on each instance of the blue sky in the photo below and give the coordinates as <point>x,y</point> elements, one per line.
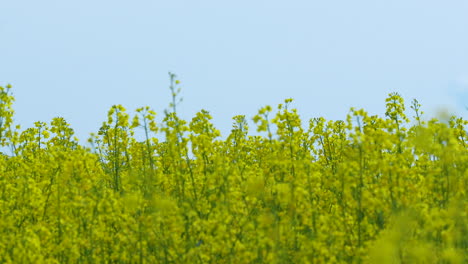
<point>76,59</point>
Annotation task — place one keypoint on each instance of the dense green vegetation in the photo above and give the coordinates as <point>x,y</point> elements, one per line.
<point>368,189</point>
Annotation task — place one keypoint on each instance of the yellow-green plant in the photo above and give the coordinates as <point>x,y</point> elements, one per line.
<point>365,189</point>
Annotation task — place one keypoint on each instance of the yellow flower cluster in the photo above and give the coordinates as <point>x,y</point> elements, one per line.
<point>366,189</point>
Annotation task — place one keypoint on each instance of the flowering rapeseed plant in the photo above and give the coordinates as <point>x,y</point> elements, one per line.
<point>366,189</point>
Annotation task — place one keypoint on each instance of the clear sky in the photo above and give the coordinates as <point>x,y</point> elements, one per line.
<point>76,59</point>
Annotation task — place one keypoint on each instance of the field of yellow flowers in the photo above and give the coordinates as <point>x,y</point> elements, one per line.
<point>367,189</point>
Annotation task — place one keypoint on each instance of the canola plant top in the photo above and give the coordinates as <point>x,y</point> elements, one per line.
<point>366,189</point>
